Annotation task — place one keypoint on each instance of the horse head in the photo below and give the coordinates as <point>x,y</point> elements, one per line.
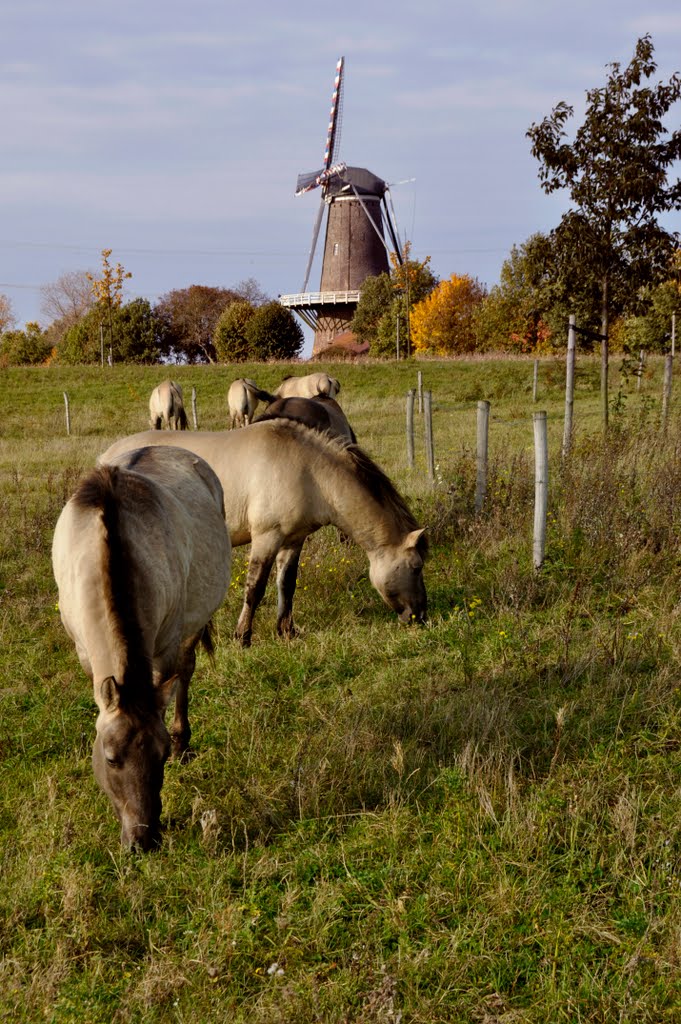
<point>396,570</point>
<point>129,754</point>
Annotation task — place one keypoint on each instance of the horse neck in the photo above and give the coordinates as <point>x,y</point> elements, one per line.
<point>357,512</point>
<point>124,635</point>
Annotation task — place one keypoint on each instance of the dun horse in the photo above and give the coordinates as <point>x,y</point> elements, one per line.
<point>242,398</point>
<point>282,482</point>
<point>166,407</point>
<point>320,413</point>
<point>309,386</point>
<point>142,559</point>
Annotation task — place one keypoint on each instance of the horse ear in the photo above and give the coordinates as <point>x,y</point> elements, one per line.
<point>165,691</point>
<point>412,539</point>
<point>110,694</point>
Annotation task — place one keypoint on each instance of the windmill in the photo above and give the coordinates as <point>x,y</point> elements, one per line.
<point>355,245</point>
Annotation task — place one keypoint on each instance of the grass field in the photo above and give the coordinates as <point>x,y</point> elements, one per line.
<point>473,821</point>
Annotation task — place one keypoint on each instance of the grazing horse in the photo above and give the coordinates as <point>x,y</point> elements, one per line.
<point>320,413</point>
<point>242,398</point>
<point>142,559</point>
<point>310,386</point>
<point>283,481</point>
<point>166,407</point>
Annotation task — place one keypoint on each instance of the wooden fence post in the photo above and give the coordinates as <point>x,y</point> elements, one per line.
<point>419,385</point>
<point>673,333</point>
<point>481,455</point>
<point>569,386</point>
<point>428,418</point>
<point>541,487</point>
<point>535,380</point>
<point>410,428</point>
<point>194,417</point>
<point>68,413</point>
<point>667,388</point>
<point>639,375</point>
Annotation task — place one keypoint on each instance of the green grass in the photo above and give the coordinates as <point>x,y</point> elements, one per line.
<point>473,821</point>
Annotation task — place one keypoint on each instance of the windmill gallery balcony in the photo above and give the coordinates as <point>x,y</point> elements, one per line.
<point>332,310</point>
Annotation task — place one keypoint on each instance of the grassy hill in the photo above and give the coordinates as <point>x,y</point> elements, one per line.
<point>477,820</point>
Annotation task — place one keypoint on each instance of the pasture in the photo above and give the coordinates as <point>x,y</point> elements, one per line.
<point>476,820</point>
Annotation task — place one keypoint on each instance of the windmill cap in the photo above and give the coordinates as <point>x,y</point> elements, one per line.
<point>363,180</point>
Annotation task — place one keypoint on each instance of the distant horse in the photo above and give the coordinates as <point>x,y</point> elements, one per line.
<point>166,407</point>
<point>142,559</point>
<point>310,386</point>
<point>282,482</point>
<point>320,413</point>
<point>242,398</point>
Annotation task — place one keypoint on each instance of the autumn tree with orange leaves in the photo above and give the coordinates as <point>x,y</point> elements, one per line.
<point>108,291</point>
<point>443,323</point>
<point>383,313</point>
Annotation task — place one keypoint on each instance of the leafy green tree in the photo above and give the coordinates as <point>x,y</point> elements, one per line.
<point>528,310</point>
<point>617,173</point>
<point>24,348</point>
<point>135,328</point>
<point>273,333</point>
<point>385,303</point>
<point>188,317</point>
<point>652,331</point>
<point>375,300</point>
<point>230,340</point>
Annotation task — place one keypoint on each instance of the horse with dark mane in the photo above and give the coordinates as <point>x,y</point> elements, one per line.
<point>142,559</point>
<point>320,413</point>
<point>283,481</point>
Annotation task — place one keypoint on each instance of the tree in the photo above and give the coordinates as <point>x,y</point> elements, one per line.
<point>273,333</point>
<point>383,310</point>
<point>652,331</point>
<point>7,317</point>
<point>376,298</point>
<point>136,330</point>
<point>250,291</point>
<point>188,317</point>
<point>108,291</point>
<point>229,339</point>
<point>69,298</point>
<point>616,172</point>
<point>525,312</point>
<point>443,322</point>
<point>24,348</point>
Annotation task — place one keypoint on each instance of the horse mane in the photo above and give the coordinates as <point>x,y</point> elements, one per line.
<point>102,490</point>
<point>384,491</point>
<point>363,467</point>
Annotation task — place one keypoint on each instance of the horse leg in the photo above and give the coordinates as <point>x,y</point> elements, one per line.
<point>180,731</point>
<point>287,574</point>
<point>259,567</point>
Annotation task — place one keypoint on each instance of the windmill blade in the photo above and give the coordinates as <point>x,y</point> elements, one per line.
<point>315,236</point>
<point>333,133</point>
<point>391,221</point>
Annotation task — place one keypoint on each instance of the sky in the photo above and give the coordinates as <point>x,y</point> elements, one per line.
<point>173,133</point>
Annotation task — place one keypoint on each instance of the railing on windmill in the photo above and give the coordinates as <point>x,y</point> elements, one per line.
<point>319,298</point>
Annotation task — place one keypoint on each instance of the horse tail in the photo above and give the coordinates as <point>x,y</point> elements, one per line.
<point>102,490</point>
<point>182,416</point>
<point>207,639</point>
<point>264,396</point>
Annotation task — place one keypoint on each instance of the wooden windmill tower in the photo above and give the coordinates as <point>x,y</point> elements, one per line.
<point>355,245</point>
